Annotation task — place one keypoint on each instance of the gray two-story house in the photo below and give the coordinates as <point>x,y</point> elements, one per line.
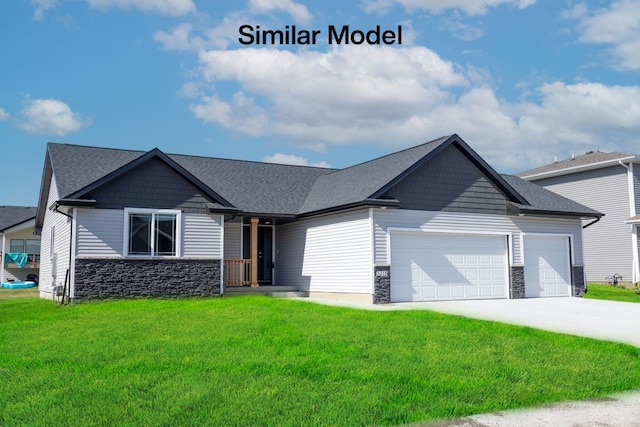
<point>609,183</point>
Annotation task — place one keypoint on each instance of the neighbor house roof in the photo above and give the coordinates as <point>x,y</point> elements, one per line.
<point>583,162</point>
<point>10,216</point>
<point>544,201</point>
<point>276,189</point>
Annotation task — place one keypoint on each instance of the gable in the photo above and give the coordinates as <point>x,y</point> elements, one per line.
<point>152,184</point>
<point>449,182</point>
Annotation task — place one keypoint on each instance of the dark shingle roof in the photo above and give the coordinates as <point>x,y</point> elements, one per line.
<point>361,181</point>
<point>276,189</point>
<point>545,201</point>
<point>14,215</point>
<point>254,186</point>
<point>590,158</point>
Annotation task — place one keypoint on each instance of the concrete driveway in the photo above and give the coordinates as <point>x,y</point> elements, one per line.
<point>605,320</point>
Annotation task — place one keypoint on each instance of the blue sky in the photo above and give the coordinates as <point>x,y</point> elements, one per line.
<point>521,81</point>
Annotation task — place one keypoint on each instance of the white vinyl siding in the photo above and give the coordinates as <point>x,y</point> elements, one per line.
<point>53,273</point>
<point>472,223</point>
<point>327,254</point>
<point>232,240</point>
<point>202,236</point>
<point>99,233</point>
<point>607,243</point>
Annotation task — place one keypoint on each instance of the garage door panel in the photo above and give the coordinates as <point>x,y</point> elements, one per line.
<point>447,266</point>
<point>547,266</point>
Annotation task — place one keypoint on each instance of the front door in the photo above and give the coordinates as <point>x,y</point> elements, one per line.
<point>265,252</point>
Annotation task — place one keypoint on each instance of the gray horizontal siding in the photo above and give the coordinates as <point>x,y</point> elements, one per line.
<point>607,243</point>
<point>232,240</point>
<point>100,233</point>
<point>202,236</point>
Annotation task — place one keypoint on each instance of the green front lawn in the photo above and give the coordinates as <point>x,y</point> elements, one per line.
<point>259,361</point>
<point>608,292</point>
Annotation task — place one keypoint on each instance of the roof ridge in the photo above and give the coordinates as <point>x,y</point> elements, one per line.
<point>249,161</point>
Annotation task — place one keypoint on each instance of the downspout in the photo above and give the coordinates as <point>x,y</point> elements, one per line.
<point>70,246</point>
<point>591,223</point>
<point>634,229</point>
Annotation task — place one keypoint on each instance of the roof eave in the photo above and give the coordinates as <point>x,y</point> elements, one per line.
<point>367,203</point>
<point>18,226</point>
<point>581,168</point>
<point>539,212</point>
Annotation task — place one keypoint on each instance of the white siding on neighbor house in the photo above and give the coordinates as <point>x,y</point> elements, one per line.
<point>327,254</point>
<point>202,236</point>
<point>12,271</point>
<point>607,243</point>
<point>100,233</point>
<point>470,223</point>
<point>232,240</point>
<point>61,248</point>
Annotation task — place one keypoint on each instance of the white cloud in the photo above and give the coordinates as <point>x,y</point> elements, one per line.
<point>164,7</point>
<point>403,96</point>
<point>339,96</point>
<point>475,7</point>
<point>297,11</point>
<point>41,7</point>
<point>290,159</point>
<point>618,26</point>
<point>4,115</point>
<point>50,116</point>
<point>179,38</point>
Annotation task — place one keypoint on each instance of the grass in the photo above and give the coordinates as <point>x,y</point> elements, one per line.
<point>273,362</point>
<point>608,292</point>
<point>7,294</point>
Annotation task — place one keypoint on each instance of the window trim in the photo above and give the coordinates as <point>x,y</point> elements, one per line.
<point>153,212</point>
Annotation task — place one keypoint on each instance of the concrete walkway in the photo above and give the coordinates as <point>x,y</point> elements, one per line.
<point>606,320</point>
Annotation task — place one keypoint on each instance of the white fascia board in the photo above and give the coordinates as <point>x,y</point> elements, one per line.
<point>581,168</point>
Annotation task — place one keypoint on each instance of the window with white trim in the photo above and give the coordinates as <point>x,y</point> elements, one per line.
<point>152,233</point>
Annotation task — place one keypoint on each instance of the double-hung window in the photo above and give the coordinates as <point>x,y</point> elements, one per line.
<point>152,233</point>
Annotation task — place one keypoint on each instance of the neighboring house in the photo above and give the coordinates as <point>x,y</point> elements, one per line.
<point>20,250</point>
<point>610,183</point>
<point>430,222</point>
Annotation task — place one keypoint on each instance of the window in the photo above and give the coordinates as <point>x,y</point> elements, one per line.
<point>152,233</point>
<point>26,246</point>
<point>30,247</point>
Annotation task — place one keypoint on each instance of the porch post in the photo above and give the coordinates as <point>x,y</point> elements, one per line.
<point>254,252</point>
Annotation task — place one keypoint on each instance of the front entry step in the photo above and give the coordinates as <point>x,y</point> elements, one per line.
<point>272,291</point>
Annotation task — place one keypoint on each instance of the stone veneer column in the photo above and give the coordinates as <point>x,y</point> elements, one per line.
<point>578,283</point>
<point>382,284</point>
<point>516,290</point>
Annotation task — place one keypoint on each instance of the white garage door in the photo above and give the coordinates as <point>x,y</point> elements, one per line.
<point>547,271</point>
<point>437,266</point>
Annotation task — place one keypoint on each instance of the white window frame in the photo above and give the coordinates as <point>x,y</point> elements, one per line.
<point>153,212</point>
